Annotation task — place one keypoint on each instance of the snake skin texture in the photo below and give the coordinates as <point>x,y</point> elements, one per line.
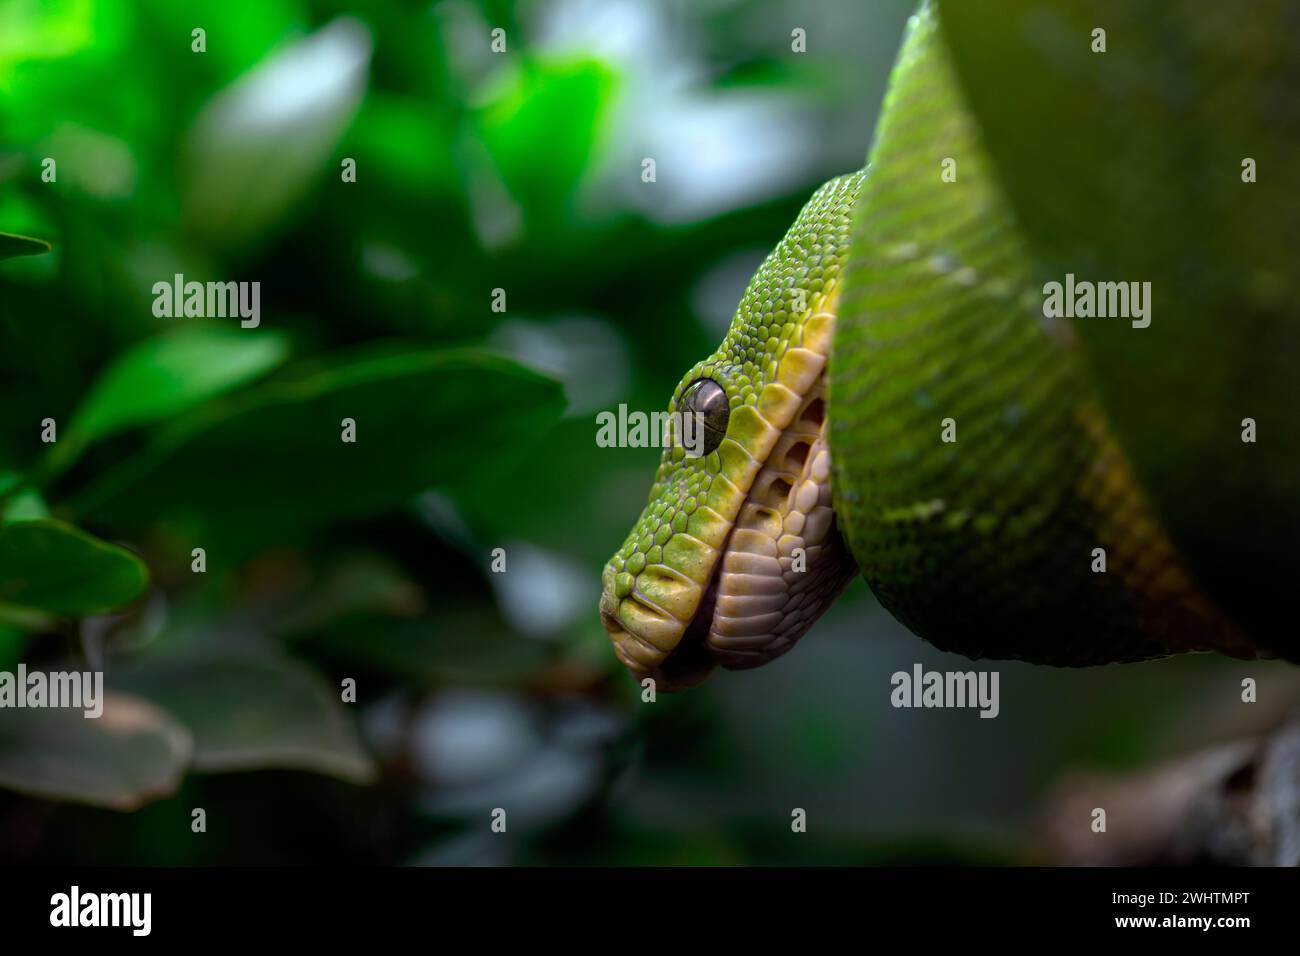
<point>985,545</point>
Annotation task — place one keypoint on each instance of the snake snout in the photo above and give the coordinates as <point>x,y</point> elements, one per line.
<point>651,643</point>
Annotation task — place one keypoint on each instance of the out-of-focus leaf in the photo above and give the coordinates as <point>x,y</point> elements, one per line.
<point>240,33</point>
<point>460,646</point>
<point>538,503</point>
<point>104,169</point>
<point>255,149</point>
<point>363,584</point>
<point>542,131</point>
<point>271,462</point>
<point>26,505</point>
<point>11,245</point>
<point>1129,165</point>
<point>168,375</point>
<point>253,709</point>
<point>20,503</point>
<point>54,567</point>
<point>406,146</point>
<point>131,754</point>
<point>36,31</point>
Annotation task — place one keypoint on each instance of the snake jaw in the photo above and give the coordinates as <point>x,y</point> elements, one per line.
<point>672,655</point>
<point>785,562</point>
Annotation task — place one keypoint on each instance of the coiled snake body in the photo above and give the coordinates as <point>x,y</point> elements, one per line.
<point>943,438</point>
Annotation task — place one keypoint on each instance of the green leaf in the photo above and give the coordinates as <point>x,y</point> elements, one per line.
<point>26,505</point>
<point>131,754</point>
<point>407,147</point>
<point>249,32</point>
<point>11,246</point>
<point>542,129</point>
<point>1127,166</point>
<point>271,463</point>
<point>250,709</point>
<point>257,146</point>
<point>53,567</point>
<point>19,501</point>
<point>168,375</point>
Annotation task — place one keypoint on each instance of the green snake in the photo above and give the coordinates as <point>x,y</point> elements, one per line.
<point>943,440</point>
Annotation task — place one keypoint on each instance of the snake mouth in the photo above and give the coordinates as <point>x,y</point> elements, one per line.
<point>686,662</point>
<point>691,661</point>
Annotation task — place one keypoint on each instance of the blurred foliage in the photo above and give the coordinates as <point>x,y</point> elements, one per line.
<point>327,561</point>
<point>51,566</point>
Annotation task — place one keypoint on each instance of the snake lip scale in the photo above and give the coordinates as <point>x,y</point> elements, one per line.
<point>690,662</point>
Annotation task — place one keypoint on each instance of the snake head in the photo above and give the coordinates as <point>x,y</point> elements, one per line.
<point>736,552</point>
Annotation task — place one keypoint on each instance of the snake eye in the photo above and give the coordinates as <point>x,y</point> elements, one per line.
<point>706,410</point>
